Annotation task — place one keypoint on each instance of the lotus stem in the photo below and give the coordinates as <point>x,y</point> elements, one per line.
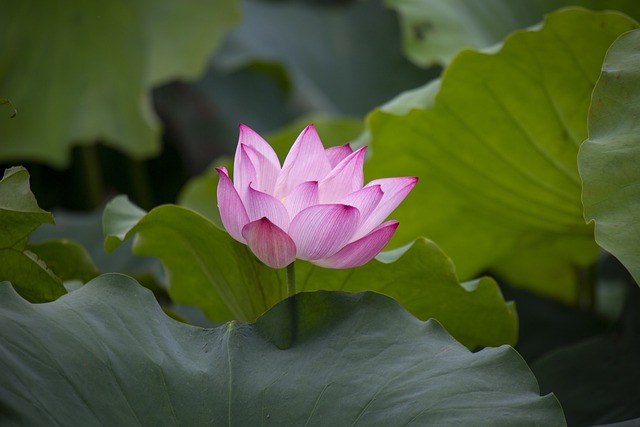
<point>291,279</point>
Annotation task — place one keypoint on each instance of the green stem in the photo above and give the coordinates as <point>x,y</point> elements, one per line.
<point>291,279</point>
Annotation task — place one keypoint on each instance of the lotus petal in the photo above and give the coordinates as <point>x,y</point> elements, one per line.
<point>232,212</point>
<point>345,178</point>
<point>303,196</point>
<point>363,250</point>
<point>321,230</point>
<point>306,161</point>
<point>395,190</point>
<point>261,205</point>
<point>269,243</point>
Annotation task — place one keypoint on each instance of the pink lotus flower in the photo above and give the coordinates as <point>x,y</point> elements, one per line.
<point>314,207</point>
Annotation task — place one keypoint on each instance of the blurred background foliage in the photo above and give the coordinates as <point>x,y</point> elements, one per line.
<point>142,97</point>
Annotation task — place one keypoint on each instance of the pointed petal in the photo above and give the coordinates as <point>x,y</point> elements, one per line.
<point>262,205</point>
<point>269,243</point>
<point>321,230</point>
<point>262,156</point>
<point>251,138</point>
<point>363,250</point>
<point>303,196</point>
<point>395,190</point>
<point>337,154</point>
<point>306,161</point>
<point>244,172</point>
<point>365,200</point>
<point>232,212</point>
<point>345,178</point>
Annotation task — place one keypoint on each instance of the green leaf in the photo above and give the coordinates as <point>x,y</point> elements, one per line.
<point>434,31</point>
<point>29,275</point>
<point>206,267</point>
<point>67,259</point>
<point>107,354</point>
<point>92,79</point>
<point>19,210</point>
<point>19,216</point>
<point>210,270</point>
<point>423,280</point>
<point>608,160</point>
<point>341,59</point>
<point>496,154</point>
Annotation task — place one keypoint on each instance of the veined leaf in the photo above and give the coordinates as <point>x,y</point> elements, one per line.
<point>107,354</point>
<point>496,154</point>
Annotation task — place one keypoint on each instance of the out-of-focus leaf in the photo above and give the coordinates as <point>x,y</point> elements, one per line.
<point>85,228</point>
<point>341,59</point>
<point>602,371</point>
<point>8,102</point>
<point>321,358</point>
<point>496,154</point>
<point>210,270</point>
<point>19,216</point>
<point>434,31</point>
<point>609,159</point>
<point>80,74</point>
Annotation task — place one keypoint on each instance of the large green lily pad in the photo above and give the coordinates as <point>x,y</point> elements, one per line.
<point>106,354</point>
<point>496,154</point>
<point>208,269</point>
<point>78,74</point>
<point>609,159</point>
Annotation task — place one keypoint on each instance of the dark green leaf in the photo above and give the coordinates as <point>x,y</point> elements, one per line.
<point>608,160</point>
<point>107,355</point>
<point>602,371</point>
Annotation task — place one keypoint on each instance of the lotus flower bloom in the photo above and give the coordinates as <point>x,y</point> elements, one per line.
<point>314,207</point>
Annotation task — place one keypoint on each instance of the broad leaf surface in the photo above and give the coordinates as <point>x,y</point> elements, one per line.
<point>19,216</point>
<point>609,159</point>
<point>210,270</point>
<point>78,74</point>
<point>496,154</point>
<point>434,31</point>
<point>107,355</point>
